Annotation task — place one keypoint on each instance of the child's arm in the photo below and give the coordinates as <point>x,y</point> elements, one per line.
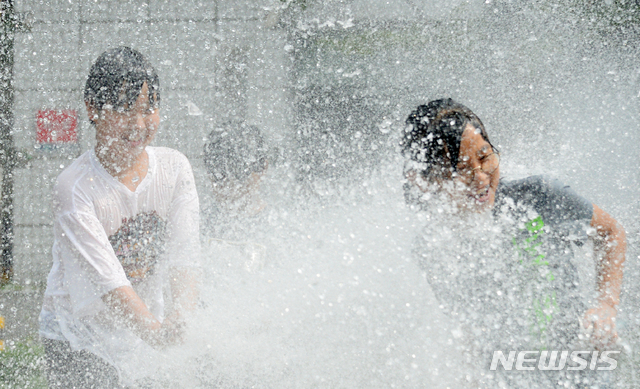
<point>184,290</point>
<point>613,245</point>
<point>128,306</point>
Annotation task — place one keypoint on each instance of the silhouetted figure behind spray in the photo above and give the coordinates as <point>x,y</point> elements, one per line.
<point>237,158</point>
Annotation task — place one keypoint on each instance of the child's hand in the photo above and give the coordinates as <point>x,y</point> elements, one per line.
<point>170,333</point>
<point>600,323</point>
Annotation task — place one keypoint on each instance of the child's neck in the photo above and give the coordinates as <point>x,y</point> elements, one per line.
<point>132,175</point>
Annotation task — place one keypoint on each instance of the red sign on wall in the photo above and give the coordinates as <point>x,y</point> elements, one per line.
<point>56,126</point>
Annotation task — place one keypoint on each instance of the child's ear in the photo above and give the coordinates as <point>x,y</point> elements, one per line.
<point>92,112</point>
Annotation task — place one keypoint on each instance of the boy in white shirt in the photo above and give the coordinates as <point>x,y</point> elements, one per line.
<point>126,217</point>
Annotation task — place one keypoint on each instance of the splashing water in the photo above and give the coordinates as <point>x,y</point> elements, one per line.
<point>329,293</point>
<point>342,305</point>
<point>334,297</point>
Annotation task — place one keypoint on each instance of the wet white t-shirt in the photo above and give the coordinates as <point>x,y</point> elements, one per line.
<point>107,236</point>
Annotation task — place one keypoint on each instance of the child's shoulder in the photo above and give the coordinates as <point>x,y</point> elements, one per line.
<point>80,167</point>
<point>75,179</point>
<point>169,158</point>
<point>166,153</point>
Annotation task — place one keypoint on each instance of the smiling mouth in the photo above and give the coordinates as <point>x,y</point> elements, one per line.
<point>134,142</point>
<point>481,196</point>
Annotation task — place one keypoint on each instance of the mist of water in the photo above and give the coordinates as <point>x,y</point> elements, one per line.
<point>332,295</point>
<point>324,290</point>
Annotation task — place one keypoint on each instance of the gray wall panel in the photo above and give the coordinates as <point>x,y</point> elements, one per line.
<point>46,57</point>
<point>183,53</point>
<point>56,11</point>
<point>113,10</point>
<point>98,37</point>
<point>182,10</point>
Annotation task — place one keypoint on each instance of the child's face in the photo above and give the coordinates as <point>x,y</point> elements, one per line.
<point>473,187</point>
<point>122,134</point>
<point>478,170</point>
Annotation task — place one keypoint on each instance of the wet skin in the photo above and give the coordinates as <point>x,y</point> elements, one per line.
<point>122,135</point>
<point>479,188</point>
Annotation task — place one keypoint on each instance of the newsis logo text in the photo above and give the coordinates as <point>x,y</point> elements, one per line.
<point>554,360</point>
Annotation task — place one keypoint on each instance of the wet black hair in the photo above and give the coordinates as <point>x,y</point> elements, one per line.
<point>116,79</point>
<point>433,134</point>
<point>235,150</point>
